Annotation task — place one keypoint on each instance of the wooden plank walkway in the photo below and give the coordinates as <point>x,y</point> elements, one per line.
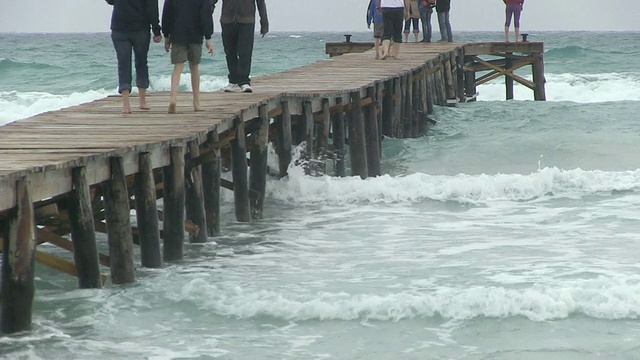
<point>82,134</point>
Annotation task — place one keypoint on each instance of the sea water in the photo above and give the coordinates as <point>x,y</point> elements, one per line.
<point>510,231</point>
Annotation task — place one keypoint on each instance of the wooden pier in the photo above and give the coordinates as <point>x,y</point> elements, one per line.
<point>67,174</point>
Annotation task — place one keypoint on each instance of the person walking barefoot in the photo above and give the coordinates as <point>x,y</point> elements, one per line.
<point>394,12</point>
<point>185,23</point>
<point>130,24</point>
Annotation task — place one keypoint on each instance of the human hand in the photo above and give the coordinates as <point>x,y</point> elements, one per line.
<point>264,28</point>
<point>167,44</point>
<point>209,46</point>
<point>157,38</point>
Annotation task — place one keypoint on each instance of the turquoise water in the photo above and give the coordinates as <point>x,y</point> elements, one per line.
<point>510,232</point>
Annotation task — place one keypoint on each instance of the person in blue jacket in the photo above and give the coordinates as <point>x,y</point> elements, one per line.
<point>375,17</point>
<point>426,10</point>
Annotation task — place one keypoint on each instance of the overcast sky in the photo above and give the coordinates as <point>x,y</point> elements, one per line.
<point>339,15</point>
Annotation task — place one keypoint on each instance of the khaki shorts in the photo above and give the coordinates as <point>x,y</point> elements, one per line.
<point>378,30</point>
<point>183,52</point>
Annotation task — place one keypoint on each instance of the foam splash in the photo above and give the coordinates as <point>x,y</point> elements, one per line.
<point>19,105</point>
<point>208,83</point>
<point>601,298</point>
<point>475,189</point>
<point>580,88</point>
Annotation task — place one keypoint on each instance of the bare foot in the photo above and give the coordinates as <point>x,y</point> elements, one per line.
<point>172,108</point>
<point>197,108</point>
<point>377,56</point>
<point>144,107</point>
<point>384,56</point>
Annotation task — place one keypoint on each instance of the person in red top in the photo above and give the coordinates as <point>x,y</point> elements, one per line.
<point>514,8</point>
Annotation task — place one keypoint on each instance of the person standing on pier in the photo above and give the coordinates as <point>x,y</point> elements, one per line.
<point>513,10</point>
<point>131,21</point>
<point>184,24</point>
<point>426,9</point>
<point>375,17</point>
<point>394,12</point>
<point>442,8</point>
<point>414,18</point>
<point>238,25</point>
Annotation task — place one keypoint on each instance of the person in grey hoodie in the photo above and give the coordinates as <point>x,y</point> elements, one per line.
<point>131,22</point>
<point>238,26</point>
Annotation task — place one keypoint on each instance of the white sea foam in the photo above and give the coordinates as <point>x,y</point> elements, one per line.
<point>207,83</point>
<point>602,298</point>
<point>463,188</point>
<point>19,105</point>
<point>581,88</point>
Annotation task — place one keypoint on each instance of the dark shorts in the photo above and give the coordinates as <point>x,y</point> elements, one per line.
<point>183,52</point>
<point>378,30</point>
<point>393,21</point>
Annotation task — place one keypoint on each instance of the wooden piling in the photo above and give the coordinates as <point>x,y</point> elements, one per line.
<point>83,234</point>
<point>147,214</point>
<point>387,109</point>
<point>408,107</point>
<point>508,80</point>
<point>309,130</point>
<point>339,140</point>
<point>173,206</point>
<point>284,138</point>
<point>372,135</point>
<point>258,171</point>
<point>397,107</point>
<point>324,127</point>
<point>116,207</point>
<point>460,75</point>
<point>357,148</point>
<point>18,259</point>
<point>195,197</point>
<point>211,186</point>
<point>538,77</point>
<point>239,169</point>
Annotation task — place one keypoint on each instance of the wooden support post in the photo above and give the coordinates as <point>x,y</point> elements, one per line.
<point>408,106</point>
<point>357,148</point>
<point>299,126</point>
<point>339,140</point>
<point>508,80</point>
<point>309,128</point>
<point>173,206</point>
<point>379,90</point>
<point>449,81</point>
<point>284,139</point>
<point>18,259</point>
<point>195,197</point>
<point>454,77</point>
<point>538,77</point>
<point>211,187</point>
<point>430,88</point>
<point>116,207</point>
<point>83,233</point>
<point>239,169</point>
<point>469,81</point>
<point>387,109</point>
<point>372,135</point>
<point>416,105</point>
<point>398,100</point>
<point>258,172</point>
<point>424,107</point>
<point>460,75</point>
<point>324,127</point>
<point>147,214</point>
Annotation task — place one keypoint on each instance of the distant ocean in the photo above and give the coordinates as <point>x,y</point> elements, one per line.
<point>511,231</point>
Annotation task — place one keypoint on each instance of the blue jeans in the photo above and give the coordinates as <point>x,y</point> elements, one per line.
<point>425,18</point>
<point>445,27</point>
<point>125,42</point>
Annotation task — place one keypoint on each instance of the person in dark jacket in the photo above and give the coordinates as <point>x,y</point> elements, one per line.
<point>238,26</point>
<point>184,24</point>
<point>442,8</point>
<point>130,24</point>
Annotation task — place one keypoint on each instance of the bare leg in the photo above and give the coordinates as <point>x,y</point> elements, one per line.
<point>126,105</point>
<point>386,45</point>
<point>376,41</point>
<point>143,99</point>
<point>195,85</point>
<point>517,34</point>
<point>395,50</point>
<point>175,83</point>
<point>406,37</point>
<point>506,33</point>
<point>415,34</point>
